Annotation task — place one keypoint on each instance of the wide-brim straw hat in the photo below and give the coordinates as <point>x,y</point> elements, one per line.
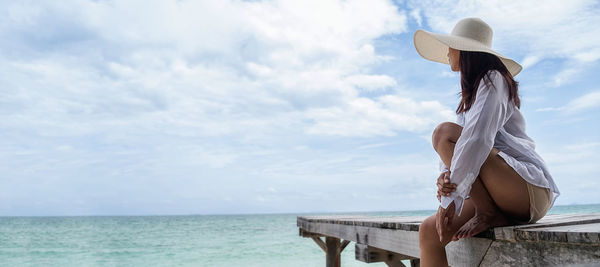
<point>470,34</point>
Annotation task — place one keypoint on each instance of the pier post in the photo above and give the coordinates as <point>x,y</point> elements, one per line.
<point>333,252</point>
<point>332,247</point>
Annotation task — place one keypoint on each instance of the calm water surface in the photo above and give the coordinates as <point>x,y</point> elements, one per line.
<point>219,240</point>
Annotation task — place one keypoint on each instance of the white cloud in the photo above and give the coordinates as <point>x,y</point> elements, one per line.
<point>182,76</point>
<point>383,116</point>
<point>565,75</point>
<point>529,61</point>
<point>546,109</point>
<point>201,65</point>
<point>584,102</point>
<point>176,99</point>
<point>449,74</point>
<point>371,82</point>
<point>416,15</point>
<point>574,169</point>
<point>582,146</point>
<point>579,104</point>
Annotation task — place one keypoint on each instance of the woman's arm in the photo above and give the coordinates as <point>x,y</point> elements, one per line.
<point>482,122</point>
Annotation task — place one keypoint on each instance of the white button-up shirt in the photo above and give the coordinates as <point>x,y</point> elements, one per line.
<point>494,121</point>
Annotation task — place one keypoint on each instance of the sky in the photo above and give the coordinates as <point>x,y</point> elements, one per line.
<point>227,107</point>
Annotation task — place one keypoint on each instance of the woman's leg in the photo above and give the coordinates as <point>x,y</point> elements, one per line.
<point>503,187</point>
<point>498,190</point>
<point>433,252</point>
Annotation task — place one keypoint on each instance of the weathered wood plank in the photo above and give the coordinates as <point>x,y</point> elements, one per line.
<point>407,223</point>
<point>504,253</point>
<point>398,241</point>
<point>566,219</point>
<point>528,232</point>
<point>388,239</point>
<point>475,248</point>
<point>554,240</point>
<point>580,233</point>
<point>394,222</point>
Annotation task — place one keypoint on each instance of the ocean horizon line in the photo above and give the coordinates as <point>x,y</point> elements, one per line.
<point>259,213</point>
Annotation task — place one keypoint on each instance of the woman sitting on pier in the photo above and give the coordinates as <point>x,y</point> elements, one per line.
<point>492,175</point>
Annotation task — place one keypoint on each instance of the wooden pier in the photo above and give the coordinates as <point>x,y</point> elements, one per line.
<point>555,240</point>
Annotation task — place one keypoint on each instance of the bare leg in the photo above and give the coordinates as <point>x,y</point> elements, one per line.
<point>433,251</point>
<point>505,190</point>
<point>498,192</point>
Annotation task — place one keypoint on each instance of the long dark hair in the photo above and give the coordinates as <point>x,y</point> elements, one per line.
<point>473,69</point>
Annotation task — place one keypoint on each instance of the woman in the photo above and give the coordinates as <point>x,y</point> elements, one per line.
<point>492,175</point>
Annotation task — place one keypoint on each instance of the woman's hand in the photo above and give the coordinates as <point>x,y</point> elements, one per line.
<point>443,220</point>
<point>444,185</point>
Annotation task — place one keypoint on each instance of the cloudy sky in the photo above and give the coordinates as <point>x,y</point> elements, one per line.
<point>203,107</point>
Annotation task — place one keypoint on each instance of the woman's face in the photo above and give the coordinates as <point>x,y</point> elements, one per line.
<point>454,58</point>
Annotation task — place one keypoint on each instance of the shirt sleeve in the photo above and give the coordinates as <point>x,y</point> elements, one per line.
<point>460,120</point>
<point>442,167</point>
<point>481,124</point>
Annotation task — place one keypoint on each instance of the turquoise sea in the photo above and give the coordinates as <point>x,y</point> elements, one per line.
<point>194,240</point>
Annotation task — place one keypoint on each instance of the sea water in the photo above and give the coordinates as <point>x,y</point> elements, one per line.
<point>195,240</point>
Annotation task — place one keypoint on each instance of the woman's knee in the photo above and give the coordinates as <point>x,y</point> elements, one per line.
<point>427,231</point>
<point>445,132</point>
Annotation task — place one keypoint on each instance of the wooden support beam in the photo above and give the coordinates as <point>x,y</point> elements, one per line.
<point>304,233</point>
<point>343,246</point>
<point>320,242</point>
<point>331,244</point>
<point>370,254</point>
